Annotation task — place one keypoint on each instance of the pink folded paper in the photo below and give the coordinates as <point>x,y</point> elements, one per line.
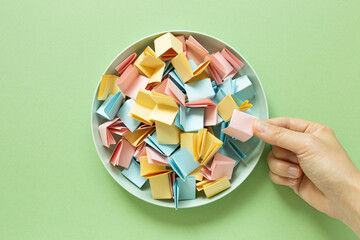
<point>182,39</point>
<point>240,126</point>
<point>168,87</point>
<point>221,166</point>
<point>228,69</point>
<point>122,154</point>
<point>122,66</point>
<point>105,135</point>
<point>115,126</point>
<point>210,115</point>
<point>131,81</point>
<point>139,150</point>
<point>234,61</point>
<point>195,51</point>
<point>155,157</point>
<point>224,65</point>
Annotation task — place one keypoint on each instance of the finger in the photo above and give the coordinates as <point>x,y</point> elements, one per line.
<point>295,124</point>
<point>279,136</point>
<point>284,154</point>
<point>283,168</point>
<point>283,180</point>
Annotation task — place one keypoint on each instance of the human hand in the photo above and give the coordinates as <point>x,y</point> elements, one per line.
<point>307,157</point>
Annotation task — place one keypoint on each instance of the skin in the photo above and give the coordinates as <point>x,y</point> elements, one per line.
<point>307,157</point>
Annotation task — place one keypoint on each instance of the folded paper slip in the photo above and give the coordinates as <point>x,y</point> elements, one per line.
<point>199,90</point>
<point>169,88</point>
<point>150,66</point>
<point>110,106</point>
<point>210,114</point>
<point>183,68</point>
<point>197,173</point>
<point>108,86</point>
<point>226,107</point>
<point>207,145</point>
<point>160,186</point>
<point>131,123</point>
<point>164,149</point>
<point>231,150</point>
<point>195,51</point>
<point>132,173</point>
<point>212,188</point>
<point>131,81</point>
<point>167,46</point>
<point>184,189</point>
<point>148,170</point>
<point>152,106</point>
<point>191,119</point>
<point>189,140</point>
<point>221,166</point>
<point>182,162</point>
<point>122,154</point>
<point>139,135</point>
<point>241,126</point>
<point>105,134</point>
<point>124,64</point>
<point>155,157</point>
<point>167,134</point>
<point>244,88</point>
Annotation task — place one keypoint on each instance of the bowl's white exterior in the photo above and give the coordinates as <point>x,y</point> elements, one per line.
<point>253,148</point>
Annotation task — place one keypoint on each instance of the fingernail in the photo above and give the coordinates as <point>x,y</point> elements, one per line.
<point>260,126</point>
<point>293,171</point>
<point>292,180</point>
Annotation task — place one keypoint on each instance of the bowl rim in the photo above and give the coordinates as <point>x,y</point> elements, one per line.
<point>216,197</point>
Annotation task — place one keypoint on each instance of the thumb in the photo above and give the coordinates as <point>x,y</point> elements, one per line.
<point>279,136</point>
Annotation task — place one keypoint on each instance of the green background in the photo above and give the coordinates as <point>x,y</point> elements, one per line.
<point>52,53</point>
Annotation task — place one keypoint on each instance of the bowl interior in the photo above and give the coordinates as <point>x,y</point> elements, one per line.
<point>252,148</point>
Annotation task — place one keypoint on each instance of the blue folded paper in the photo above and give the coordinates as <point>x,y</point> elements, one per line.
<point>168,68</point>
<point>191,119</point>
<point>174,76</point>
<point>110,106</point>
<point>231,150</point>
<point>133,174</point>
<point>199,89</point>
<point>244,88</point>
<point>131,123</point>
<point>182,162</point>
<point>164,149</point>
<point>184,190</point>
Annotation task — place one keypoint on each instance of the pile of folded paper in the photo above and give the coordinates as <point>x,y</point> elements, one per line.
<point>180,112</point>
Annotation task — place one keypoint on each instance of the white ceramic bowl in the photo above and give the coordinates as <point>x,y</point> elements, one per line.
<point>252,148</point>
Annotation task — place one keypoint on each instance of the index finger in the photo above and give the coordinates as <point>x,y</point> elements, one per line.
<point>295,124</point>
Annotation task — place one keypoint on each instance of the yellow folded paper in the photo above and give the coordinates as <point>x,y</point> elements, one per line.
<point>138,136</point>
<point>143,107</point>
<point>167,134</point>
<point>209,146</point>
<point>165,110</point>
<point>183,68</point>
<point>245,106</point>
<point>197,173</point>
<point>212,188</point>
<point>150,66</point>
<point>160,186</point>
<point>108,86</point>
<point>189,140</point>
<point>153,106</point>
<point>167,46</point>
<point>226,107</point>
<point>148,170</point>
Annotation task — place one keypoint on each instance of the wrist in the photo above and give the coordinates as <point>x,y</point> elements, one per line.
<point>351,203</point>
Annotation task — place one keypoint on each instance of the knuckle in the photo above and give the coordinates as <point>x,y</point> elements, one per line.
<point>278,134</point>
<point>310,141</point>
